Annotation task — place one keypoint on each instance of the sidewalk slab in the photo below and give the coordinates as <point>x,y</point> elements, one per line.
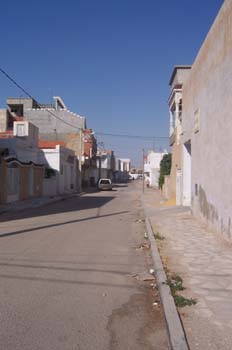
<point>204,261</point>
<point>176,334</point>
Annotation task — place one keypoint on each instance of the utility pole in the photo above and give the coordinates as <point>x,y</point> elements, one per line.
<point>143,169</point>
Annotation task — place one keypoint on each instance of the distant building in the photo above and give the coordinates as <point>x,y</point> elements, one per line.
<point>125,164</point>
<point>122,170</point>
<point>89,167</point>
<point>106,164</point>
<point>152,167</point>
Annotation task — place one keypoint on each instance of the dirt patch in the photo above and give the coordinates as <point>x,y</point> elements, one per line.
<point>138,325</point>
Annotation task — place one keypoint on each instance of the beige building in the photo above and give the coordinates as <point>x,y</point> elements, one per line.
<point>172,188</point>
<point>207,127</point>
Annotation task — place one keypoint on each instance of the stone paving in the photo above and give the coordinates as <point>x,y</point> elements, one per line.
<point>204,261</point>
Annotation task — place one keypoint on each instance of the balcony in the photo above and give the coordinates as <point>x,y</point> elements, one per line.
<point>172,138</point>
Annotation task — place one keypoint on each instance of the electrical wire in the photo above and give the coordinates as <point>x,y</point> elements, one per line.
<point>74,126</point>
<point>30,96</point>
<point>132,136</point>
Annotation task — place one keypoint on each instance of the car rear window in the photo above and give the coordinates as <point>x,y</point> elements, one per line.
<point>105,182</point>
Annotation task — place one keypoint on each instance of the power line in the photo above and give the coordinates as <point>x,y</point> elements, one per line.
<point>30,96</point>
<point>133,136</point>
<point>69,124</point>
<point>16,84</point>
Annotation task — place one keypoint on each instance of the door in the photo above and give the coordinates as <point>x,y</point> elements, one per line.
<point>13,183</point>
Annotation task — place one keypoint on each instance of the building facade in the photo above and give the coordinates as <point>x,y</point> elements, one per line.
<point>61,168</point>
<point>106,164</point>
<point>207,127</point>
<point>173,183</point>
<point>152,168</point>
<point>21,172</point>
<point>55,123</point>
<point>122,170</point>
<point>89,159</point>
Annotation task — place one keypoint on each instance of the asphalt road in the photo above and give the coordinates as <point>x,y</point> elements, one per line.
<point>69,277</point>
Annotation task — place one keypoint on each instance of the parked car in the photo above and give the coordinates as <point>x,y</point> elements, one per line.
<point>105,184</point>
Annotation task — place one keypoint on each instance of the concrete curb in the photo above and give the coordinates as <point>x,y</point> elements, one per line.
<point>176,333</point>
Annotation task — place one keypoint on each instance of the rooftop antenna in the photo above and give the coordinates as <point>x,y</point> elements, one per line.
<point>50,96</point>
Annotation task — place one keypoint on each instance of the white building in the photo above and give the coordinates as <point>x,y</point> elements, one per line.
<point>125,164</point>
<point>106,164</point>
<point>122,169</point>
<point>152,167</point>
<point>23,142</point>
<point>61,171</point>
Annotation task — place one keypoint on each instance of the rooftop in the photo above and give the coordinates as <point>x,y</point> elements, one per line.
<point>44,144</point>
<point>176,68</point>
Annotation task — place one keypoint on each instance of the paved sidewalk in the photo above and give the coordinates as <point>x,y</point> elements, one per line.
<point>204,261</point>
<point>32,203</point>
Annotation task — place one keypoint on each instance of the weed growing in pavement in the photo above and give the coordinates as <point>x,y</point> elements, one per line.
<point>181,301</point>
<point>176,284</point>
<point>157,235</point>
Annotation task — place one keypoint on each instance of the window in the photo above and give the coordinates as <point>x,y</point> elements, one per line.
<point>20,130</point>
<point>105,182</point>
<point>49,172</point>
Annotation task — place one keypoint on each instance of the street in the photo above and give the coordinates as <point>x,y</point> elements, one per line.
<point>68,276</point>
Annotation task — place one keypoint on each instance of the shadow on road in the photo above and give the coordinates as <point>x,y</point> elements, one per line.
<point>62,268</point>
<point>65,281</point>
<point>8,234</point>
<point>63,206</point>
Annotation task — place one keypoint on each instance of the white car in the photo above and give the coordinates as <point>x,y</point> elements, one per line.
<point>105,184</point>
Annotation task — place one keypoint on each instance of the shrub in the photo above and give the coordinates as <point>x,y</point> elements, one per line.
<point>165,168</point>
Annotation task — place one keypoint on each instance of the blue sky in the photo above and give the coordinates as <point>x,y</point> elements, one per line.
<point>109,60</point>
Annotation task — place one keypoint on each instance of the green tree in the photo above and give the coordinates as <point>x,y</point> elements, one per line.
<point>165,168</point>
